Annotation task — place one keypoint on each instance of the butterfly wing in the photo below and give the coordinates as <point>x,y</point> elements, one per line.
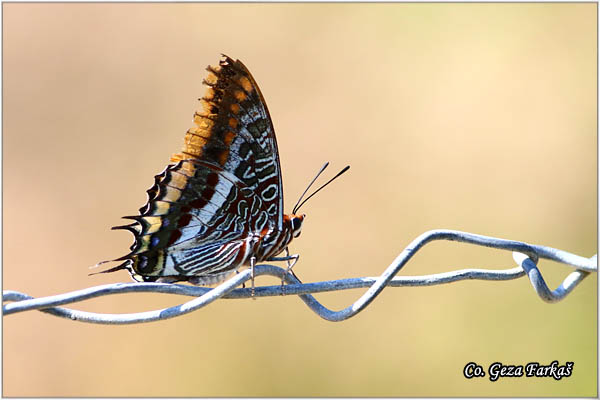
<point>235,132</point>
<point>204,209</point>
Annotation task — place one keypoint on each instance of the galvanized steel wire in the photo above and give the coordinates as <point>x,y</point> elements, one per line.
<point>526,256</point>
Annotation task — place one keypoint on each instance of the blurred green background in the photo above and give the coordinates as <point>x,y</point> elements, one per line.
<point>477,117</point>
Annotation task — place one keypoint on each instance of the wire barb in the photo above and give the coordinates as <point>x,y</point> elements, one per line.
<point>526,255</point>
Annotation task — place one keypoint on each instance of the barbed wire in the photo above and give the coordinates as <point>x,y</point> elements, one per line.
<point>526,256</point>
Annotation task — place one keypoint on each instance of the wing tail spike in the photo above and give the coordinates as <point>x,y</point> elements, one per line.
<point>106,271</point>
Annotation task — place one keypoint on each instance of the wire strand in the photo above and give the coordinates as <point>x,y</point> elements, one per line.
<point>526,255</point>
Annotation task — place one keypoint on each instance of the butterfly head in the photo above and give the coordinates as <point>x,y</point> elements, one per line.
<point>296,224</point>
<point>293,224</point>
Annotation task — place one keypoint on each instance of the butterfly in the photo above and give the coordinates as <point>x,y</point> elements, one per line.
<point>219,204</point>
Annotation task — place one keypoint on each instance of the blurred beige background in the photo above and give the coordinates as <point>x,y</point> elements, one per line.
<point>476,117</point>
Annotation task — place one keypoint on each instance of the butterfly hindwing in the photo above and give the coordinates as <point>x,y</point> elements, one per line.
<point>212,206</point>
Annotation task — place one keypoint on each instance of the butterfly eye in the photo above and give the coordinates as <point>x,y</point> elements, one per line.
<point>297,225</point>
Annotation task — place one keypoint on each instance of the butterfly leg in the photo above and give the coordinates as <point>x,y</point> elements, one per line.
<point>243,283</point>
<point>252,264</point>
<point>291,261</point>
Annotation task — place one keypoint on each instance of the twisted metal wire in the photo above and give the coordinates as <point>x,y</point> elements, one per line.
<point>526,255</point>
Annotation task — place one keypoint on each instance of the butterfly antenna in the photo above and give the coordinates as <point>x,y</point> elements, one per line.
<point>319,189</point>
<point>309,185</point>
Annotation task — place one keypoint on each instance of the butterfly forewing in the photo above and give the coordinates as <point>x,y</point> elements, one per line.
<point>235,131</point>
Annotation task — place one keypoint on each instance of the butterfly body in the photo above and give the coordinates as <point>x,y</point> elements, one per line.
<point>219,204</point>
